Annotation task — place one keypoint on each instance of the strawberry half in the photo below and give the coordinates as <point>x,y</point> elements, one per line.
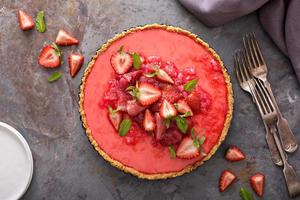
<point>148,123</point>
<point>193,100</point>
<point>115,118</point>
<point>163,76</point>
<point>257,182</point>
<point>65,39</point>
<point>187,149</point>
<point>167,110</point>
<point>182,107</point>
<point>133,108</point>
<point>226,179</point>
<point>234,154</point>
<point>25,21</point>
<point>148,94</point>
<point>121,61</point>
<point>160,74</point>
<point>75,63</point>
<point>49,56</point>
<point>160,126</point>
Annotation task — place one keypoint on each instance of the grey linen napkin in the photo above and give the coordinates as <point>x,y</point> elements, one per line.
<point>280,19</point>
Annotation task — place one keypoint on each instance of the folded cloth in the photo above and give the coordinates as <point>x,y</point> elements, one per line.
<point>280,19</point>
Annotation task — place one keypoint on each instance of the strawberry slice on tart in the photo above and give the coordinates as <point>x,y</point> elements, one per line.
<point>187,149</point>
<point>133,108</point>
<point>160,126</point>
<point>25,21</point>
<point>115,117</point>
<point>149,122</point>
<point>121,61</point>
<point>160,74</point>
<point>145,93</point>
<point>182,107</point>
<point>167,110</point>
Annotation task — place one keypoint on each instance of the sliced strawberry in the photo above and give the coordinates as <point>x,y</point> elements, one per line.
<point>167,110</point>
<point>75,63</point>
<point>49,56</point>
<point>182,107</point>
<point>25,21</point>
<point>187,149</point>
<point>226,179</point>
<point>149,124</point>
<point>163,76</point>
<point>121,61</point>
<point>160,126</point>
<point>148,94</point>
<point>115,118</point>
<point>193,100</point>
<point>234,154</point>
<point>133,108</point>
<point>199,100</point>
<point>257,182</point>
<point>65,39</point>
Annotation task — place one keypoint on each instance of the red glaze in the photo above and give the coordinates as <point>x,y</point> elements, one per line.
<point>183,52</point>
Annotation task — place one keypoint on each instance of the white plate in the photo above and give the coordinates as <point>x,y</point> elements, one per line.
<point>16,163</point>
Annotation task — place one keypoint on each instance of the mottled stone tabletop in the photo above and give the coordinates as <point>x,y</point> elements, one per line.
<point>65,164</point>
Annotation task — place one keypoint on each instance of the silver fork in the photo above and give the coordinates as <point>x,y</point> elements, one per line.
<point>268,110</point>
<point>259,70</point>
<point>245,79</point>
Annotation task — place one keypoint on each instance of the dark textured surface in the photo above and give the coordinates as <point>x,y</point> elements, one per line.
<point>65,164</point>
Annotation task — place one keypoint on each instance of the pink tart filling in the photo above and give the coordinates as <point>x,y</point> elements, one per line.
<point>163,115</point>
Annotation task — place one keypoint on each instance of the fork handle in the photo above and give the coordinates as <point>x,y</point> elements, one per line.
<point>275,155</point>
<point>291,179</point>
<point>288,140</point>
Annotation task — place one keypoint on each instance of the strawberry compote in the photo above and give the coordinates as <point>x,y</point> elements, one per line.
<point>171,83</point>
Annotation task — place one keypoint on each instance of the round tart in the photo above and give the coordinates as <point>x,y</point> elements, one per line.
<point>156,101</point>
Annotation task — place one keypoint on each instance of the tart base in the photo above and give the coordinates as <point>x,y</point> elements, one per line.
<point>131,170</point>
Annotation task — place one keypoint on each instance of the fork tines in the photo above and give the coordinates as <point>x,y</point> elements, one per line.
<point>254,55</point>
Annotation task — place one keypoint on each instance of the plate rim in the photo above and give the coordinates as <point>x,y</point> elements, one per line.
<point>28,153</point>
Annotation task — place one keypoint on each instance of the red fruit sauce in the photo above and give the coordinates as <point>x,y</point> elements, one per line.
<point>183,59</point>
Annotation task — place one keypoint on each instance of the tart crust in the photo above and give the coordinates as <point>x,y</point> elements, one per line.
<point>131,170</point>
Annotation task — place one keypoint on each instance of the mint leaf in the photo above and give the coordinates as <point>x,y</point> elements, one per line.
<point>172,152</point>
<point>193,133</point>
<point>40,22</point>
<point>202,139</point>
<point>54,77</point>
<point>136,60</point>
<point>124,127</point>
<point>196,142</point>
<point>181,124</point>
<point>245,194</point>
<point>190,85</point>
